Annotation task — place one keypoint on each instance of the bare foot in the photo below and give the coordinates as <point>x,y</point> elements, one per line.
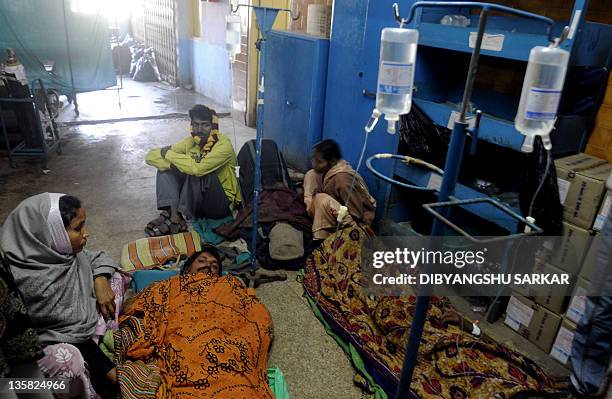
<point>175,216</point>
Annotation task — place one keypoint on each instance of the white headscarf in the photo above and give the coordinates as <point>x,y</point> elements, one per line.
<point>61,241</point>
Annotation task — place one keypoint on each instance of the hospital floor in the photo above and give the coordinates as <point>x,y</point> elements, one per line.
<point>103,164</point>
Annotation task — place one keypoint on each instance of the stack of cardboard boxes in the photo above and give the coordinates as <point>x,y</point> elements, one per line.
<point>600,141</point>
<point>549,321</point>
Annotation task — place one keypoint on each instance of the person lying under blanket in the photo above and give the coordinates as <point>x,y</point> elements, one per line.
<point>455,359</point>
<point>43,241</point>
<point>196,335</point>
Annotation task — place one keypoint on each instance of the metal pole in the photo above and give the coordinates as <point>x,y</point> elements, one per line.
<point>258,140</point>
<point>469,85</point>
<point>5,134</point>
<point>74,97</point>
<point>447,189</point>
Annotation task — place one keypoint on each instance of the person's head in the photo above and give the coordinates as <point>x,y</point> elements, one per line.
<point>206,261</point>
<point>201,122</point>
<point>10,55</point>
<point>325,154</point>
<point>74,218</point>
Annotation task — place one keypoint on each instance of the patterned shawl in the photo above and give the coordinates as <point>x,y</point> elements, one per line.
<point>194,336</point>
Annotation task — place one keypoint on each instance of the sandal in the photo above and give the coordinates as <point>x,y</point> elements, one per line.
<point>157,230</point>
<point>163,216</point>
<point>166,228</point>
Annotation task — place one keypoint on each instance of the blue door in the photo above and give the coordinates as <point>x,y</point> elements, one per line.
<point>296,77</point>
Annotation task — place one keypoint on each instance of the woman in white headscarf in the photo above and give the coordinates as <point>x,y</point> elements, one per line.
<point>63,286</point>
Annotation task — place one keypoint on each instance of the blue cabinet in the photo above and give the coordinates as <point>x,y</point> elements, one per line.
<point>295,82</point>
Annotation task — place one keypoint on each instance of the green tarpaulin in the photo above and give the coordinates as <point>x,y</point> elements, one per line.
<point>40,31</point>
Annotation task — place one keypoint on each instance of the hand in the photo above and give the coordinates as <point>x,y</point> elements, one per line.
<point>164,150</point>
<point>452,318</point>
<point>105,297</point>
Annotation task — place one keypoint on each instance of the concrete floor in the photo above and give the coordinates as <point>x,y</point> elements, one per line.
<point>135,100</point>
<point>103,164</point>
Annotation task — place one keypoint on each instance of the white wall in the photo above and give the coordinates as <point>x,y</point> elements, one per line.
<point>203,61</point>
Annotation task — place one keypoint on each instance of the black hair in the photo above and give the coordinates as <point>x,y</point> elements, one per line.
<point>328,149</point>
<point>209,249</point>
<point>201,112</point>
<point>68,206</point>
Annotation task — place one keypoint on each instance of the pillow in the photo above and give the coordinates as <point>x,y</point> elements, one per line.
<point>152,252</point>
<point>141,279</point>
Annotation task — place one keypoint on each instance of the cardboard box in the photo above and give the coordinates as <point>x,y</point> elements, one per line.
<point>600,137</point>
<point>556,299</point>
<point>586,271</point>
<point>604,116</point>
<point>562,347</point>
<point>531,320</point>
<point>582,179</point>
<point>600,152</point>
<point>608,96</point>
<point>570,248</point>
<point>604,209</point>
<point>577,304</point>
<point>600,141</point>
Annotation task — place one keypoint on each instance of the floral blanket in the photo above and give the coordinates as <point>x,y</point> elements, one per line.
<point>194,336</point>
<point>451,363</point>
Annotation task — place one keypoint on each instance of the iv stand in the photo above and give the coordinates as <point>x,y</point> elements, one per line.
<point>452,165</point>
<point>265,17</point>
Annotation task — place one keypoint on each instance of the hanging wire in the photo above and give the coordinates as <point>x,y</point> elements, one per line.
<point>348,196</point>
<point>537,191</point>
<point>232,105</point>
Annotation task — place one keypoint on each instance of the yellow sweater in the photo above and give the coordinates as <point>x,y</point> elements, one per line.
<point>187,157</point>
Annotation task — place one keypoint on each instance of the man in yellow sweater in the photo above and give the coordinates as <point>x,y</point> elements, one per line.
<point>196,177</point>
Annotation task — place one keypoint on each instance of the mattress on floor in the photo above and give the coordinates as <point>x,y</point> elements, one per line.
<point>451,363</point>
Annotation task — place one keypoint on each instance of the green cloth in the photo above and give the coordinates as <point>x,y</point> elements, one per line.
<point>278,385</point>
<point>205,228</point>
<point>107,345</point>
<point>243,258</point>
<point>351,351</point>
<point>187,157</point>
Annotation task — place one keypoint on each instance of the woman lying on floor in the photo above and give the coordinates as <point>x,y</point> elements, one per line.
<point>455,360</point>
<point>331,183</point>
<point>43,242</point>
<point>196,335</point>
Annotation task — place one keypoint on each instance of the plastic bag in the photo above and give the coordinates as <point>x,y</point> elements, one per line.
<point>146,68</point>
<point>121,58</point>
<point>137,51</point>
<point>421,138</point>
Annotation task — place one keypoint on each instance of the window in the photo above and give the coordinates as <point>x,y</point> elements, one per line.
<point>195,18</point>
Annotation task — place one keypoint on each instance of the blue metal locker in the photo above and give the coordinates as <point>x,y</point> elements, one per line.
<point>295,83</point>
